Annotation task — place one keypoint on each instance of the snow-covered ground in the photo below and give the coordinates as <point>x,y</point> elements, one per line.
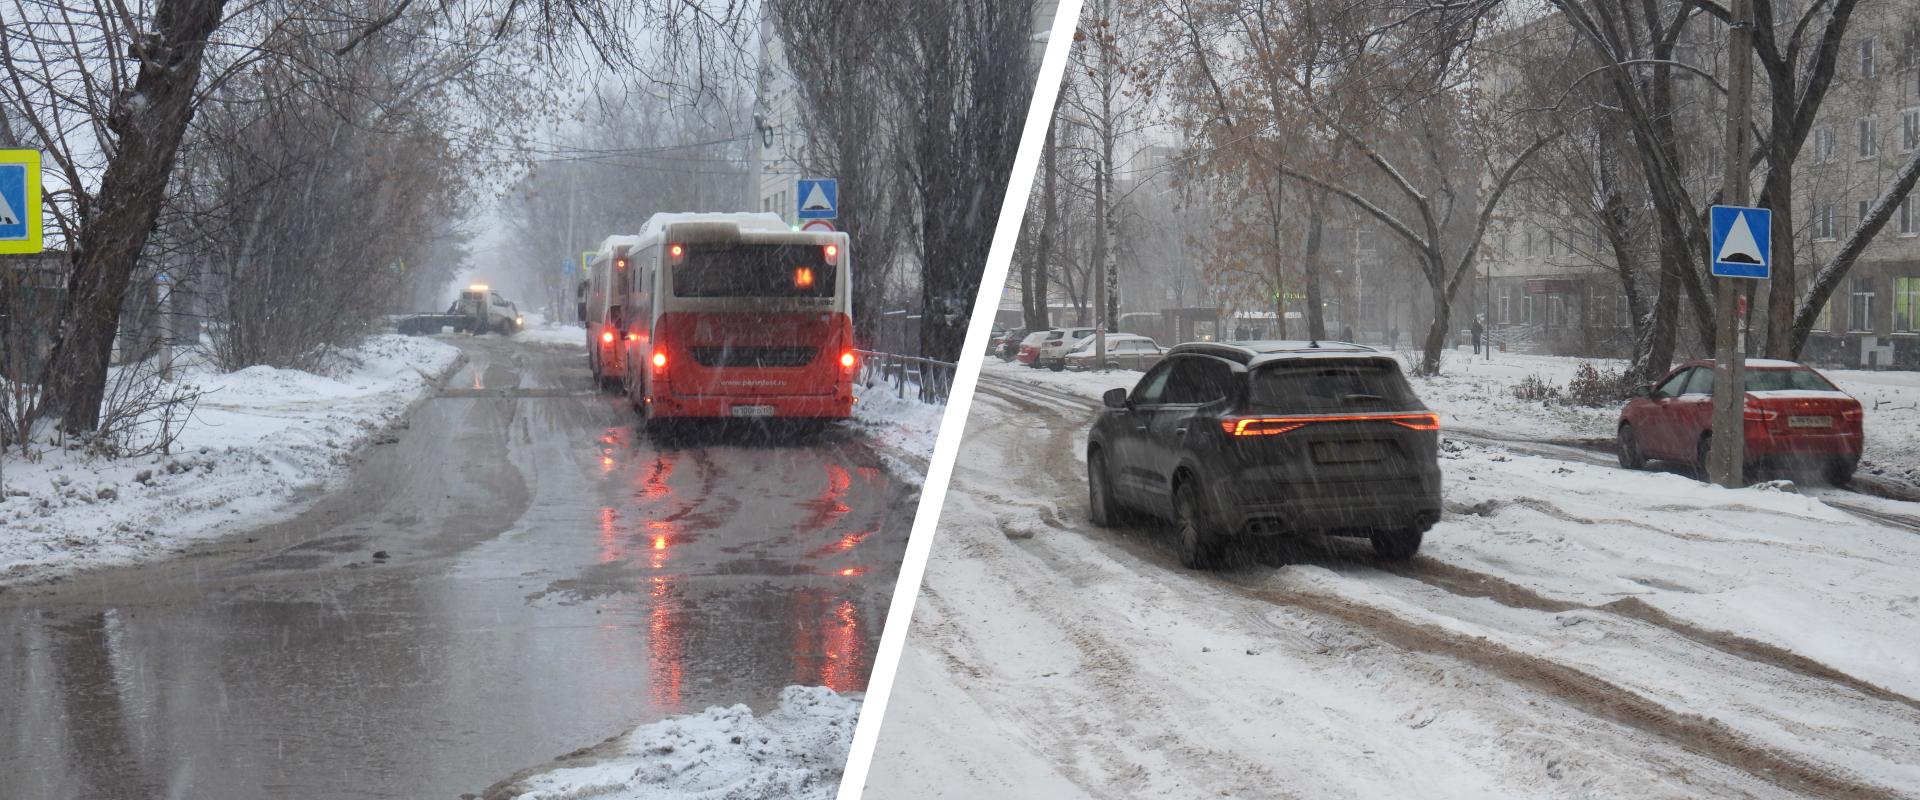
<point>543,332</point>
<point>260,438</point>
<point>1570,630</point>
<point>903,427</point>
<point>796,751</point>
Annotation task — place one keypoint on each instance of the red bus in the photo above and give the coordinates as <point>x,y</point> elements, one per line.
<point>736,315</point>
<point>609,283</point>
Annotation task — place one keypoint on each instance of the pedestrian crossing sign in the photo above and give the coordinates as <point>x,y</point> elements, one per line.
<point>1741,242</point>
<point>20,201</point>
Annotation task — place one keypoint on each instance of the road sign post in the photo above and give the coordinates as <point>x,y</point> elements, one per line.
<point>20,202</point>
<point>1741,249</point>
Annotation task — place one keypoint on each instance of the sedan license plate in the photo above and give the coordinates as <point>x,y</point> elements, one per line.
<point>752,411</point>
<point>1809,422</point>
<point>1348,452</point>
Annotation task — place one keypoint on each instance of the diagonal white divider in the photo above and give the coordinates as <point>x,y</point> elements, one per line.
<point>1013,208</point>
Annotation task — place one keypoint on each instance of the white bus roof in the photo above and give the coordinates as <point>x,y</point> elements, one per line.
<point>607,245</point>
<point>745,220</point>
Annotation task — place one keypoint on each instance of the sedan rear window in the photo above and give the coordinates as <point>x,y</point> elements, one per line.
<point>1315,385</point>
<point>1785,380</point>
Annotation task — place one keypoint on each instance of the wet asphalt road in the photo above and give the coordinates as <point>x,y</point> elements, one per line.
<point>553,578</point>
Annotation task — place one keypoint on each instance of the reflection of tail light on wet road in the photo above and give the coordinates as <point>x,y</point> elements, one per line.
<point>829,647</point>
<point>831,504</point>
<point>666,645</point>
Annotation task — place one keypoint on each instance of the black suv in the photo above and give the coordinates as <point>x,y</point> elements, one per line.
<point>1269,438</point>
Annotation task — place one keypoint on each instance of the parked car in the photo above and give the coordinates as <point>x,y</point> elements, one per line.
<point>1795,417</point>
<point>1124,351</point>
<point>1052,350</point>
<point>1007,344</point>
<point>1269,439</point>
<point>1028,351</point>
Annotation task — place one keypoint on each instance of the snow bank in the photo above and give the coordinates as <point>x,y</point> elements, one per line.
<point>796,751</point>
<point>259,437</point>
<point>904,428</point>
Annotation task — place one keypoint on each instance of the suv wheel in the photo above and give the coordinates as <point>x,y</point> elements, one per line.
<point>1628,445</point>
<point>1200,542</point>
<point>1105,512</point>
<point>1398,544</point>
<point>1840,470</point>
<point>1701,454</point>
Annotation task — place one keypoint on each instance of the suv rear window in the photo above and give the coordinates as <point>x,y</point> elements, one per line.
<point>1316,385</point>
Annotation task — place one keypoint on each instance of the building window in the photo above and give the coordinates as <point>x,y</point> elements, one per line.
<point>1506,305</point>
<point>1860,218</point>
<point>1866,57</point>
<point>1556,311</point>
<point>1910,48</point>
<point>1909,130</point>
<point>1824,322</point>
<point>1909,218</point>
<point>1526,309</point>
<point>1906,304</point>
<point>1823,223</point>
<point>1526,238</point>
<point>1860,312</point>
<point>1867,146</point>
<point>1822,145</point>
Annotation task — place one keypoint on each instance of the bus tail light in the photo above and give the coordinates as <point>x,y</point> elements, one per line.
<point>659,360</point>
<point>676,253</point>
<point>846,361</point>
<point>633,337</point>
<point>802,277</point>
<point>832,252</point>
<point>606,337</point>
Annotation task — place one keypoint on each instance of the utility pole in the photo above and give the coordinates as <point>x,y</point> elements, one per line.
<point>1728,454</point>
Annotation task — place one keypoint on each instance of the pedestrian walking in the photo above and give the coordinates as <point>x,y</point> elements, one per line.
<point>1477,330</point>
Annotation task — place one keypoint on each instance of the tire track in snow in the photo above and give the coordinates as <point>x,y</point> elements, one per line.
<point>1469,583</point>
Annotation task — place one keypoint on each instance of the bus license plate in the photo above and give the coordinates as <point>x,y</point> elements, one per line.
<point>1809,422</point>
<point>752,411</point>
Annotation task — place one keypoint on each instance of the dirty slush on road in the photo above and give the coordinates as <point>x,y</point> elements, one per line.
<point>517,574</point>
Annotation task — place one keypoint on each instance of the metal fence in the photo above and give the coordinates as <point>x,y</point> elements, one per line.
<point>929,380</point>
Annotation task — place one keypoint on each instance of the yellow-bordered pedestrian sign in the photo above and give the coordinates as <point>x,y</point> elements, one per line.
<point>20,201</point>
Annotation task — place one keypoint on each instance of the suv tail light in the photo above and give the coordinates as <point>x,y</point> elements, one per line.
<point>1270,426</point>
<point>1854,414</point>
<point>1753,414</point>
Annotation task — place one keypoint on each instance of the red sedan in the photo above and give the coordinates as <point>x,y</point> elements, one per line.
<point>1794,415</point>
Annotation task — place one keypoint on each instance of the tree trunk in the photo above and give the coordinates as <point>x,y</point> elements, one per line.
<point>1033,290</point>
<point>1664,331</point>
<point>1437,332</point>
<point>150,119</point>
<point>1316,321</point>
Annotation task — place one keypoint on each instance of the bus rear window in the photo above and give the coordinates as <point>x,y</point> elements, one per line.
<point>759,270</point>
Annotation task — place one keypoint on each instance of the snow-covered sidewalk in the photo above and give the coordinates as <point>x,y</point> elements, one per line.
<point>259,439</point>
<point>796,751</point>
